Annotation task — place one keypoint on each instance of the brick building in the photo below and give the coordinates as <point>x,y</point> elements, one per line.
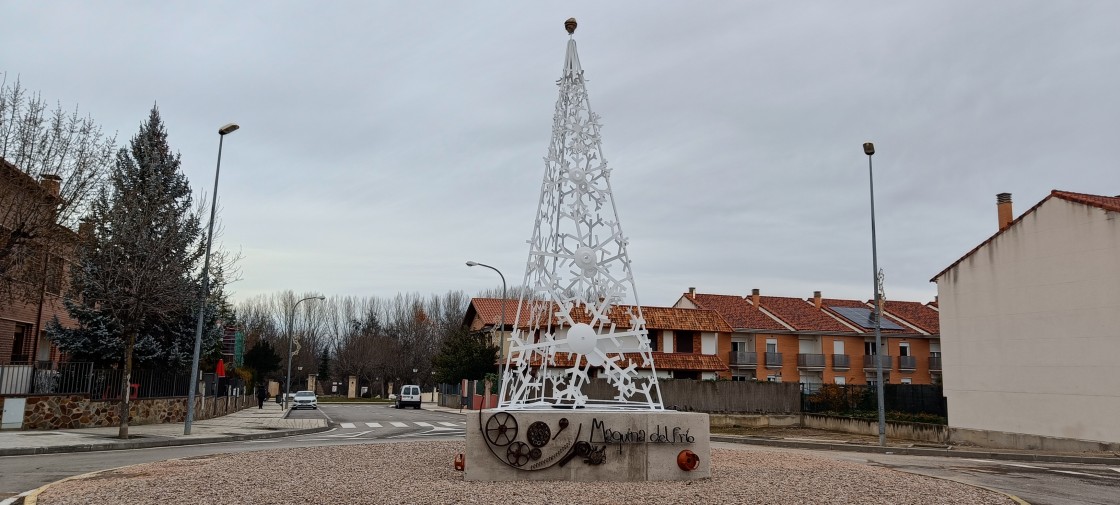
<point>38,271</point>
<point>820,340</point>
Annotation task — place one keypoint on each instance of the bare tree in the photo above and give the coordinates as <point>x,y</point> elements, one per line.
<point>69,152</point>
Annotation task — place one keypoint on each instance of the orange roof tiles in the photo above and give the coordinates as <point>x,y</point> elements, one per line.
<point>837,302</point>
<point>737,311</point>
<point>657,318</point>
<point>801,314</point>
<point>661,361</point>
<point>915,314</point>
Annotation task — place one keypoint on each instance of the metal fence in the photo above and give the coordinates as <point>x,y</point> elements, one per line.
<point>907,398</point>
<point>51,378</point>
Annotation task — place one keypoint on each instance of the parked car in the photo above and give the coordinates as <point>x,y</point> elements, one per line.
<point>305,399</point>
<point>409,397</point>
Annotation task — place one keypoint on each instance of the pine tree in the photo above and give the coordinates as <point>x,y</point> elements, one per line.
<point>137,271</point>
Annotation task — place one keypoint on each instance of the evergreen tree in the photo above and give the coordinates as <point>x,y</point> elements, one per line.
<point>465,356</point>
<point>137,269</point>
<point>262,359</point>
<point>324,374</point>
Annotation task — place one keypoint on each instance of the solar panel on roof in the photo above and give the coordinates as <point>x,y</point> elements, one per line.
<point>863,317</point>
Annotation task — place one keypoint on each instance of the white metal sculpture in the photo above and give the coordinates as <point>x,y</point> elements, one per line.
<point>578,274</point>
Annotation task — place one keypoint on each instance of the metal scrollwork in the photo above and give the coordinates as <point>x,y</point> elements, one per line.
<point>538,434</point>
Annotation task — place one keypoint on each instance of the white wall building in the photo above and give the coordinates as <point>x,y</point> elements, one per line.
<point>1030,324</point>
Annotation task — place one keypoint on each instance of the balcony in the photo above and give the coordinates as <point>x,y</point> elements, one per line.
<point>869,362</point>
<point>907,362</point>
<point>743,359</point>
<point>935,363</point>
<point>841,362</point>
<point>810,361</point>
<point>773,360</point>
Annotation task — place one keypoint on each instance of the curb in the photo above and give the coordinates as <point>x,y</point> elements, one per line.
<point>1016,499</point>
<point>145,444</point>
<point>918,451</point>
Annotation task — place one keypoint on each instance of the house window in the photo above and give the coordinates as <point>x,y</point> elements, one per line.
<point>904,349</point>
<point>683,342</point>
<point>741,375</point>
<point>838,347</point>
<point>771,345</point>
<point>839,380</point>
<point>737,346</point>
<point>906,380</point>
<point>19,344</point>
<point>869,348</point>
<point>773,378</point>
<point>654,340</point>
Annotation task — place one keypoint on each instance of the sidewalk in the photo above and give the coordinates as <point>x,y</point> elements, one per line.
<point>247,424</point>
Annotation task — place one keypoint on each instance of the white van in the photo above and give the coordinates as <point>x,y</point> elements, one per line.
<point>409,397</point>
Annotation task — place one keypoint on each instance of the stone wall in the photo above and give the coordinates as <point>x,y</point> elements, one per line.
<point>77,411</point>
<point>933,433</point>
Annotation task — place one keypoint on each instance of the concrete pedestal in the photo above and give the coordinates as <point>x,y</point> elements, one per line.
<point>585,446</point>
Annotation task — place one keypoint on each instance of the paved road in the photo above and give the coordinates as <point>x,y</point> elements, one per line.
<point>364,422</point>
<point>1037,483</point>
<point>21,473</point>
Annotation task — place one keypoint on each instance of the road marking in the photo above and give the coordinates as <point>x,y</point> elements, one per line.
<point>981,460</point>
<point>399,424</point>
<point>373,425</point>
<point>422,423</point>
<point>1020,465</point>
<point>1079,473</point>
<point>1115,469</point>
<point>347,425</point>
<point>351,435</point>
<point>446,423</point>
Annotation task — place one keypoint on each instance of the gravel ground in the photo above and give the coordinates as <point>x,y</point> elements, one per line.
<point>421,472</point>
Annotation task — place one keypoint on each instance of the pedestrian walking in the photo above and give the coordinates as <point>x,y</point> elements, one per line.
<point>262,395</point>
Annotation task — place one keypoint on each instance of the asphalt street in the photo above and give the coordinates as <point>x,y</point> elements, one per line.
<point>1037,483</point>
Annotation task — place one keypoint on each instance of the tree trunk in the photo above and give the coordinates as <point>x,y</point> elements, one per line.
<point>127,385</point>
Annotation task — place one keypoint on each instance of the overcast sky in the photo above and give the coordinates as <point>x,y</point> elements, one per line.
<point>383,144</point>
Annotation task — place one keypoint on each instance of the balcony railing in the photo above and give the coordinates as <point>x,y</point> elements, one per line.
<point>743,359</point>
<point>907,362</point>
<point>810,361</point>
<point>935,363</point>
<point>841,362</point>
<point>869,362</point>
<point>773,360</point>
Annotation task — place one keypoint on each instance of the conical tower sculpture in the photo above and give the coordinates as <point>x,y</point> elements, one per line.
<point>572,323</point>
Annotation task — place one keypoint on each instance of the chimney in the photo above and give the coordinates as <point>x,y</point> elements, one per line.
<point>817,299</point>
<point>1003,208</point>
<point>85,229</point>
<point>692,293</point>
<point>51,183</point>
<point>754,296</point>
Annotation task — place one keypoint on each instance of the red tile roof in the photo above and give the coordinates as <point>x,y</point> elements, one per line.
<point>657,318</point>
<point>661,360</point>
<point>737,311</point>
<point>801,314</point>
<point>837,302</point>
<point>1108,203</point>
<point>915,314</point>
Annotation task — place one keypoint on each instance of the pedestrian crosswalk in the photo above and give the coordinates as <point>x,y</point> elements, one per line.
<point>393,429</point>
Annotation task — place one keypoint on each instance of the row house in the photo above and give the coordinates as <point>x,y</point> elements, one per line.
<point>35,274</point>
<point>820,340</point>
<point>687,343</point>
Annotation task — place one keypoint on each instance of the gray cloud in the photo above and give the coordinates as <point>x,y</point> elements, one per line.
<point>382,145</point>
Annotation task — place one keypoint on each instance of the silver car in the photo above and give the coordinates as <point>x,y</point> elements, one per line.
<point>304,400</point>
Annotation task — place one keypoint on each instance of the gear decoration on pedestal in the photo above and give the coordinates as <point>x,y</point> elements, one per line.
<point>570,318</point>
<point>538,434</point>
<point>501,429</point>
<point>517,454</point>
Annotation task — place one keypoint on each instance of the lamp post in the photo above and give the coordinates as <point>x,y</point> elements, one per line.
<point>193,388</point>
<point>869,150</point>
<point>502,321</point>
<point>292,322</point>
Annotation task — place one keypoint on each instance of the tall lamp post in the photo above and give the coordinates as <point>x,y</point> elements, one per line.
<point>291,323</point>
<point>193,389</point>
<point>501,322</point>
<point>869,150</point>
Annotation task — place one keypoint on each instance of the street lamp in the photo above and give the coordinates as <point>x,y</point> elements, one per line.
<point>222,132</point>
<point>291,323</point>
<point>501,322</point>
<point>869,150</point>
